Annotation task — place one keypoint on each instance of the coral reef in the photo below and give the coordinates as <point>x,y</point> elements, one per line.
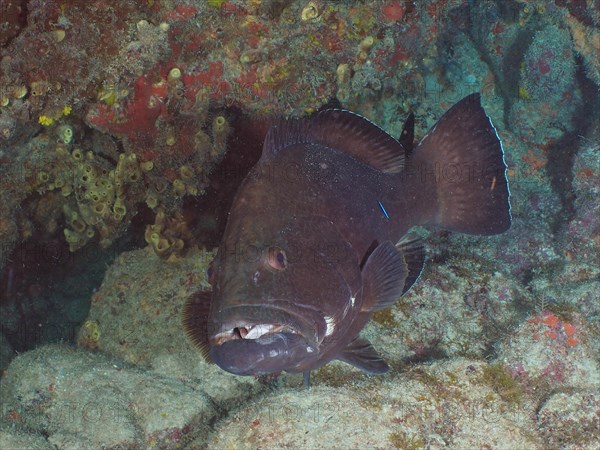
<point>12,19</point>
<point>459,308</point>
<point>149,90</point>
<point>99,189</point>
<point>114,119</point>
<point>11,437</point>
<point>548,66</point>
<point>549,352</point>
<point>548,94</point>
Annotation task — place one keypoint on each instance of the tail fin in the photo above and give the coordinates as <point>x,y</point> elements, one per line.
<point>461,163</point>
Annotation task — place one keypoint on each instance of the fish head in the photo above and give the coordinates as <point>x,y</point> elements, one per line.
<point>278,294</point>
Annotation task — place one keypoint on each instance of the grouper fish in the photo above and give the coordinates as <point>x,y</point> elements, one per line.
<point>315,239</point>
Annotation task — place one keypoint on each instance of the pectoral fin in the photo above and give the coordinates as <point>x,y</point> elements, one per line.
<point>384,275</point>
<point>360,353</point>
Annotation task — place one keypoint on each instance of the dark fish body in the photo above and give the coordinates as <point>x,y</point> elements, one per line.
<point>311,248</point>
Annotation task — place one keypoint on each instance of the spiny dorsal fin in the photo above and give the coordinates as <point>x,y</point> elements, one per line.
<point>407,136</point>
<point>195,321</point>
<point>384,275</point>
<point>414,256</point>
<point>360,353</point>
<point>343,131</point>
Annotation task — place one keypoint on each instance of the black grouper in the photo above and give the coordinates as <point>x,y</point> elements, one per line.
<point>314,240</point>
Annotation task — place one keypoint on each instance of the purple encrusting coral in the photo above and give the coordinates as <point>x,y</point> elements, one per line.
<point>130,124</point>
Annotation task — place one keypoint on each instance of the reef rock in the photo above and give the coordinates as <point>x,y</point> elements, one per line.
<point>83,400</point>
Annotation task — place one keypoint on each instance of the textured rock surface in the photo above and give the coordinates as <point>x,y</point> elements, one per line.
<point>136,316</point>
<point>6,353</point>
<point>446,404</point>
<point>80,399</point>
<point>571,418</point>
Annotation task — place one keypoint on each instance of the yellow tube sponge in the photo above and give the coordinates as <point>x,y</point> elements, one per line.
<point>77,154</point>
<point>162,247</point>
<point>186,172</point>
<point>147,166</point>
<point>66,190</point>
<point>154,238</point>
<point>119,208</point>
<point>65,134</point>
<point>78,225</point>
<point>159,221</point>
<point>71,237</point>
<point>89,334</point>
<point>100,208</point>
<point>43,177</point>
<point>151,201</point>
<point>220,131</point>
<point>179,186</point>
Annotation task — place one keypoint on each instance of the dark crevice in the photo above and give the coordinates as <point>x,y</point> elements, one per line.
<point>511,69</point>
<point>476,20</point>
<point>207,215</point>
<point>45,290</point>
<point>13,19</point>
<point>562,152</point>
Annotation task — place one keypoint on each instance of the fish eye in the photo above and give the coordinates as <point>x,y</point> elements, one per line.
<point>276,258</point>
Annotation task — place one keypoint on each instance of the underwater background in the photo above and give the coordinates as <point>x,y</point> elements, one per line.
<point>126,128</point>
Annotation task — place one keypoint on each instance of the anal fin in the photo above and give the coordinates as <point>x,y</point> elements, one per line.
<point>360,353</point>
<point>414,257</point>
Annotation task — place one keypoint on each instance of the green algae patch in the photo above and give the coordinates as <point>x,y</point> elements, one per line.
<point>497,377</point>
<point>401,440</point>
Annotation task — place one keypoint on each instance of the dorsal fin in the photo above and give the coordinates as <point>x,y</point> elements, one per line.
<point>360,353</point>
<point>407,136</point>
<point>343,131</point>
<point>195,320</point>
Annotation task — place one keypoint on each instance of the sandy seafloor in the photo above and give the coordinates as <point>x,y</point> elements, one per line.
<point>125,129</point>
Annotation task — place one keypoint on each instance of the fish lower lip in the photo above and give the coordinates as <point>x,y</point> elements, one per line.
<point>272,354</point>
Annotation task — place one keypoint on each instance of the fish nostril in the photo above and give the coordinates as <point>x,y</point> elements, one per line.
<point>240,332</point>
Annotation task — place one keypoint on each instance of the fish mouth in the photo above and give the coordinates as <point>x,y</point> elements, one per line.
<point>264,339</point>
<point>251,331</point>
<point>258,321</point>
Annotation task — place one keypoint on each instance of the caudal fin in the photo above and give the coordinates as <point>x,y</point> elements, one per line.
<point>462,174</point>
